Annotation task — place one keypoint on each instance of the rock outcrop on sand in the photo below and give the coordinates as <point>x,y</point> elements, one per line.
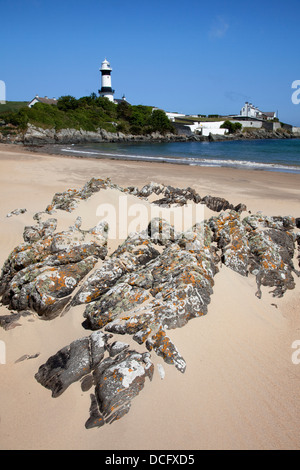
<point>41,273</point>
<point>157,280</point>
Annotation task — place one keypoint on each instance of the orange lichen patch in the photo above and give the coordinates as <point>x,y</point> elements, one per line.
<point>156,290</point>
<point>48,300</point>
<point>188,277</point>
<point>89,298</point>
<point>140,295</point>
<point>138,252</point>
<point>162,343</point>
<point>125,318</point>
<point>142,335</point>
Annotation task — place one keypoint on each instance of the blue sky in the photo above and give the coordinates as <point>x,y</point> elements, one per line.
<point>190,57</point>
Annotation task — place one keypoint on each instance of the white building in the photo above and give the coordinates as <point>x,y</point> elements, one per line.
<point>39,99</point>
<point>250,111</point>
<point>209,127</point>
<point>296,130</point>
<point>172,116</point>
<point>106,89</point>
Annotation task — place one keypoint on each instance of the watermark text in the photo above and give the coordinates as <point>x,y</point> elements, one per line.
<point>124,218</point>
<point>2,92</point>
<point>296,354</point>
<point>296,93</point>
<point>2,352</point>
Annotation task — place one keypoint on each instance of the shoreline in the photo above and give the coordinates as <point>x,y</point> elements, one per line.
<point>57,149</point>
<point>239,369</point>
<point>266,186</point>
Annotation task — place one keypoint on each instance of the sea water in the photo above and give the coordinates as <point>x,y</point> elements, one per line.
<point>272,154</point>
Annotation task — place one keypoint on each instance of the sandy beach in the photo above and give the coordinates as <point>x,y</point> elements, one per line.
<point>240,389</point>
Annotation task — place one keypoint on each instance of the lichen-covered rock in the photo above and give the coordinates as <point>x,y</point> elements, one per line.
<point>164,347</point>
<point>258,244</point>
<point>34,233</point>
<point>16,212</point>
<point>230,235</point>
<point>118,381</point>
<point>177,196</point>
<point>116,348</point>
<point>41,273</point>
<point>69,200</point>
<point>170,196</point>
<point>148,189</point>
<point>298,244</point>
<point>117,378</point>
<point>161,231</point>
<point>117,300</point>
<point>180,283</point>
<point>72,363</point>
<point>270,263</point>
<point>136,251</point>
<point>216,204</point>
<point>46,289</point>
<point>259,220</point>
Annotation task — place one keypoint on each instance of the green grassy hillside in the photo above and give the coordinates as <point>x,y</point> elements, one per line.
<point>12,106</point>
<point>88,113</point>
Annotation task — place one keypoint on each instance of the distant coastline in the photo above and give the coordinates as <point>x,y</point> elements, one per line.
<point>276,155</point>
<point>37,136</point>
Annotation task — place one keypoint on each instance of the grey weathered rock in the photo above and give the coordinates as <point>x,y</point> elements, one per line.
<point>216,204</point>
<point>180,283</point>
<point>69,200</point>
<point>25,357</point>
<point>164,347</point>
<point>72,363</point>
<point>231,237</point>
<point>37,232</point>
<point>118,382</point>
<point>42,273</point>
<point>119,299</point>
<point>270,263</point>
<point>136,251</point>
<point>40,136</point>
<point>16,212</point>
<point>117,379</point>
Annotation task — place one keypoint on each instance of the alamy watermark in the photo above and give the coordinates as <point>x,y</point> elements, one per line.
<point>2,92</point>
<point>124,218</point>
<point>296,93</point>
<point>296,354</point>
<point>2,352</point>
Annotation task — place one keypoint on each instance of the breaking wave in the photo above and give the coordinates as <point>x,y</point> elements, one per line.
<point>186,160</point>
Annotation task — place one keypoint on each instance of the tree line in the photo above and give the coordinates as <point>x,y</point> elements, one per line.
<point>91,113</point>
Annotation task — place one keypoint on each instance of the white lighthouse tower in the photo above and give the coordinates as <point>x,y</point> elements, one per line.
<point>106,89</point>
